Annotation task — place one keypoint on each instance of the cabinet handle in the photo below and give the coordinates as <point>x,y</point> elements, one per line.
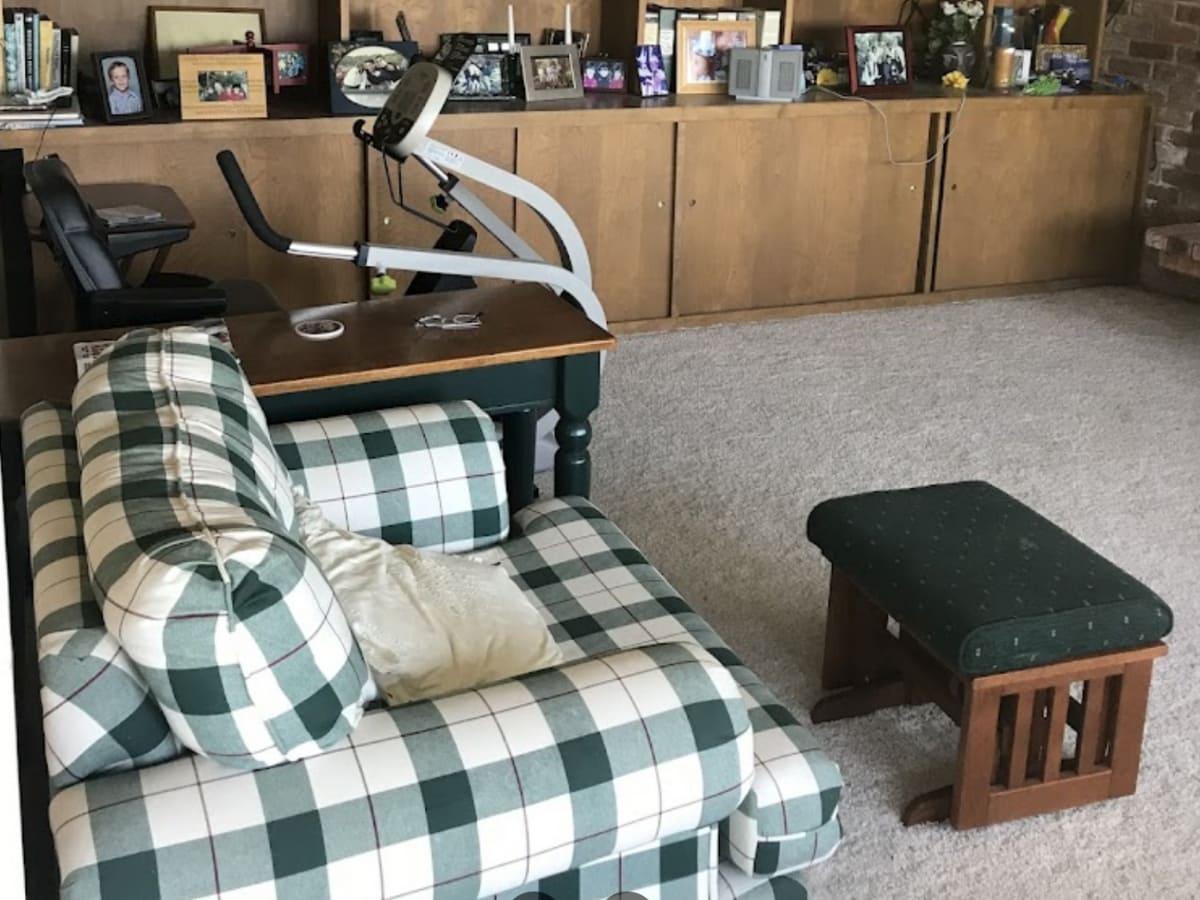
<point>691,203</point>
<point>661,204</point>
<point>954,187</point>
<point>387,220</point>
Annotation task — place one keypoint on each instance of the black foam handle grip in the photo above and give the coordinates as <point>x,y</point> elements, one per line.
<point>248,204</point>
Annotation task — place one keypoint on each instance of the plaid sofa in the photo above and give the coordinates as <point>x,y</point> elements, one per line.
<point>652,760</point>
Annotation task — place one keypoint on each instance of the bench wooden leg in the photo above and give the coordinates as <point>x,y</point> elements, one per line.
<point>854,630</point>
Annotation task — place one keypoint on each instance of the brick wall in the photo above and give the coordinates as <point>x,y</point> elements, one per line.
<point>1156,43</point>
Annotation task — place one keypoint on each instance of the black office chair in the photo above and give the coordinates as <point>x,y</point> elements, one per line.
<point>79,241</point>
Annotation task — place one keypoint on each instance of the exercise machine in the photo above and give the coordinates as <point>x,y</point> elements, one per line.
<point>400,133</point>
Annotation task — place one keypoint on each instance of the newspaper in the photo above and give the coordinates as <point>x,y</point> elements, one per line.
<point>88,352</point>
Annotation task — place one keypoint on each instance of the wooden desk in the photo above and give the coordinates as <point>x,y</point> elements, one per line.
<point>534,352</point>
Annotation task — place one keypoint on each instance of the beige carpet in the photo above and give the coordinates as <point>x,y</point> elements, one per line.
<point>712,445</point>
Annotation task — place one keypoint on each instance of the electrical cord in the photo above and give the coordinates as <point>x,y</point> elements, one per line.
<point>887,134</point>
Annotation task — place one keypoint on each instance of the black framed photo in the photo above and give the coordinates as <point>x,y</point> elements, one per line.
<point>484,64</point>
<point>363,75</point>
<point>605,76</point>
<point>880,59</point>
<point>124,89</point>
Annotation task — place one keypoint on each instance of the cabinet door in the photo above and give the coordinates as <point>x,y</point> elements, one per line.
<point>1039,194</point>
<point>798,210</point>
<point>389,224</point>
<point>616,182</point>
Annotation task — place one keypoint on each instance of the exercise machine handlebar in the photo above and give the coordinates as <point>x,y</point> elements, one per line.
<point>248,204</point>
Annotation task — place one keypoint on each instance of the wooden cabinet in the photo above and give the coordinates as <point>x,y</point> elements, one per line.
<point>617,183</point>
<point>389,224</point>
<point>798,210</point>
<point>1039,193</point>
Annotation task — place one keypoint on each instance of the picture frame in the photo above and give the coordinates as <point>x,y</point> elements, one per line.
<point>551,72</point>
<point>1060,57</point>
<point>486,76</point>
<point>485,67</point>
<point>604,75</point>
<point>879,58</point>
<point>702,50</point>
<point>653,79</point>
<point>288,65</point>
<point>175,29</point>
<point>222,86</point>
<point>124,88</point>
<point>363,75</point>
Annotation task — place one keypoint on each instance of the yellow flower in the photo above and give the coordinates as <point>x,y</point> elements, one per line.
<point>827,78</point>
<point>956,80</point>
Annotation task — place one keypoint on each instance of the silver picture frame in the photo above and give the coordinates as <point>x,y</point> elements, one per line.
<point>551,72</point>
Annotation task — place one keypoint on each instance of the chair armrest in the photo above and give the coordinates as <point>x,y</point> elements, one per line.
<point>478,793</point>
<point>149,306</point>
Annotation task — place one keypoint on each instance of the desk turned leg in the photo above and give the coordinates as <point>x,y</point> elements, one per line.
<point>578,397</point>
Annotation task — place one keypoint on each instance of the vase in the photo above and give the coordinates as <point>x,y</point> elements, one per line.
<point>960,56</point>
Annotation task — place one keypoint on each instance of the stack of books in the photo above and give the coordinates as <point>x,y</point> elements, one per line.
<point>38,79</point>
<point>38,55</point>
<point>659,27</point>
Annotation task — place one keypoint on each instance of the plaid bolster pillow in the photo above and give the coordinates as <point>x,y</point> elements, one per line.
<point>97,712</point>
<point>431,475</point>
<point>450,799</point>
<point>189,540</point>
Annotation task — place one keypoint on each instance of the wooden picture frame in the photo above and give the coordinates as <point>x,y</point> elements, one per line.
<point>173,30</point>
<point>551,72</point>
<point>288,65</point>
<point>133,96</point>
<point>702,51</point>
<point>222,86</point>
<point>889,71</point>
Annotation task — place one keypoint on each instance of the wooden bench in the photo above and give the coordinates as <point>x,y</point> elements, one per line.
<point>1037,647</point>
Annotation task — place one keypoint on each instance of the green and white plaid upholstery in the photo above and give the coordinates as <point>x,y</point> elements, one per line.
<point>600,594</point>
<point>735,884</point>
<point>431,476</point>
<point>675,868</point>
<point>97,713</point>
<point>461,797</point>
<point>187,523</point>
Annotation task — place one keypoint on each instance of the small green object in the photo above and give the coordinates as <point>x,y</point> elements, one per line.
<point>383,284</point>
<point>1044,86</point>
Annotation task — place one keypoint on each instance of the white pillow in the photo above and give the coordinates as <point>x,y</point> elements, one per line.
<point>428,625</point>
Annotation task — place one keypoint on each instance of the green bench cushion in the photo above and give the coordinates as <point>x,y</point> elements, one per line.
<point>986,583</point>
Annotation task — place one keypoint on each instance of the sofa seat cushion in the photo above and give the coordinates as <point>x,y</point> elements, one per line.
<point>430,475</point>
<point>97,712</point>
<point>986,583</point>
<point>600,594</point>
<point>450,799</point>
<point>188,525</point>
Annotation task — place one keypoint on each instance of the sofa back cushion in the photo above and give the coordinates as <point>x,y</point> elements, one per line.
<point>188,526</point>
<point>97,712</point>
<point>431,476</point>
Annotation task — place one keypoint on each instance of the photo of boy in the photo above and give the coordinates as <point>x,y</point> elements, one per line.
<point>123,87</point>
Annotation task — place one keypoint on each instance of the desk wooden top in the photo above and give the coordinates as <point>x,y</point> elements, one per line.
<point>381,342</point>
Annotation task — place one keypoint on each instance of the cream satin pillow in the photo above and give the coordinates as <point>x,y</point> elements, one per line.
<point>428,625</point>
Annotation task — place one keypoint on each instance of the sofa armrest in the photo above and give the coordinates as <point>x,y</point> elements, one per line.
<point>462,797</point>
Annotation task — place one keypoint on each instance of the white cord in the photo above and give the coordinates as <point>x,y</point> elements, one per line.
<point>887,134</point>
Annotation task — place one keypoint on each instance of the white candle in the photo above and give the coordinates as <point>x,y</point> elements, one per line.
<point>569,37</point>
<point>512,30</point>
